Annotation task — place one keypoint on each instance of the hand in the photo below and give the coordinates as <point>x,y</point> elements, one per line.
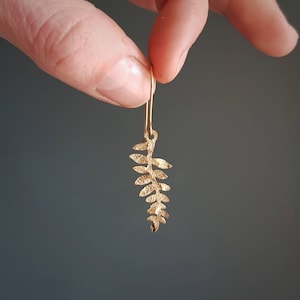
<point>80,45</point>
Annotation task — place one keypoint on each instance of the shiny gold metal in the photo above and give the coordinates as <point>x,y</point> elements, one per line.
<point>150,168</point>
<point>149,107</point>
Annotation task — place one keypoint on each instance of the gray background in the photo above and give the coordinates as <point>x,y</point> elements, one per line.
<point>71,222</point>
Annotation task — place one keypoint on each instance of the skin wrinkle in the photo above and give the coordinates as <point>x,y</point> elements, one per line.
<point>61,52</point>
<point>39,40</point>
<point>61,17</point>
<point>11,23</point>
<point>43,41</point>
<point>64,42</point>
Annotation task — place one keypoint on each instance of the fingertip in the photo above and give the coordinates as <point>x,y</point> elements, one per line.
<point>167,74</point>
<point>278,43</point>
<point>288,43</point>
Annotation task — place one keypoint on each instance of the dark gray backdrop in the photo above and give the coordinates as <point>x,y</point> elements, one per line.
<point>71,222</point>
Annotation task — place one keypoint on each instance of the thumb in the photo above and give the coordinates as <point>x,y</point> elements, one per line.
<point>80,45</point>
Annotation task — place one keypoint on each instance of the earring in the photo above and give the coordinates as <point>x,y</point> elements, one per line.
<point>150,168</point>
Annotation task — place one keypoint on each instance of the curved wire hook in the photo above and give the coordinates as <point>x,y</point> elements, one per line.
<point>148,130</point>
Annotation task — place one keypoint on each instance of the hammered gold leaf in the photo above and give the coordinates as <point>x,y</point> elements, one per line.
<point>161,206</point>
<point>154,223</point>
<point>161,163</point>
<point>140,169</point>
<point>148,189</point>
<point>139,158</point>
<point>164,198</point>
<point>161,219</point>
<point>144,179</point>
<point>152,218</point>
<point>151,198</point>
<point>157,197</point>
<point>164,187</point>
<point>164,214</point>
<point>156,207</point>
<point>160,174</point>
<point>151,210</point>
<point>151,174</point>
<point>140,146</point>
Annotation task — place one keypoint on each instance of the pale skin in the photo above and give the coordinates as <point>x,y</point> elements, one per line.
<point>80,45</point>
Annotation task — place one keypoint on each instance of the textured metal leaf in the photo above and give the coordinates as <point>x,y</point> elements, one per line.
<point>151,198</point>
<point>151,211</point>
<point>161,163</point>
<point>148,189</point>
<point>164,187</point>
<point>154,223</point>
<point>163,198</point>
<point>152,218</point>
<point>140,146</point>
<point>161,206</point>
<point>155,208</point>
<point>151,174</point>
<point>164,214</point>
<point>162,220</point>
<point>157,197</point>
<point>139,158</point>
<point>144,179</point>
<point>140,169</point>
<point>160,174</point>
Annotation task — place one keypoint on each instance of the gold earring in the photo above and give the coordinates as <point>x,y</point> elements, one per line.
<point>151,168</point>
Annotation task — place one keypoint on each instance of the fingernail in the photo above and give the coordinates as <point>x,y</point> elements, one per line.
<point>127,83</point>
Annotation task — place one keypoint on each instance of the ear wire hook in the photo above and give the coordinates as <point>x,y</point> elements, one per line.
<point>148,130</point>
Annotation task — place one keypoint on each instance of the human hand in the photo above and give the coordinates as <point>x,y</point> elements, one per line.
<point>80,45</point>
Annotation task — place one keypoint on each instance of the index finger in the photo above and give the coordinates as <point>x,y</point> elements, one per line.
<point>176,27</point>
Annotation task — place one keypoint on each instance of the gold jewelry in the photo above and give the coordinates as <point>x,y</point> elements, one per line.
<point>152,188</point>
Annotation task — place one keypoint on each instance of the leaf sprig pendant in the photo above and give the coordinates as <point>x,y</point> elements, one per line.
<point>150,169</point>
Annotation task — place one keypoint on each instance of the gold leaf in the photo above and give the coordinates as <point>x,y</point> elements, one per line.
<point>159,205</point>
<point>139,158</point>
<point>164,214</point>
<point>140,169</point>
<point>148,189</point>
<point>161,163</point>
<point>154,223</point>
<point>157,197</point>
<point>160,174</point>
<point>140,146</point>
<point>151,198</point>
<point>151,174</point>
<point>164,187</point>
<point>162,220</point>
<point>155,208</point>
<point>144,179</point>
<point>151,211</point>
<point>164,198</point>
